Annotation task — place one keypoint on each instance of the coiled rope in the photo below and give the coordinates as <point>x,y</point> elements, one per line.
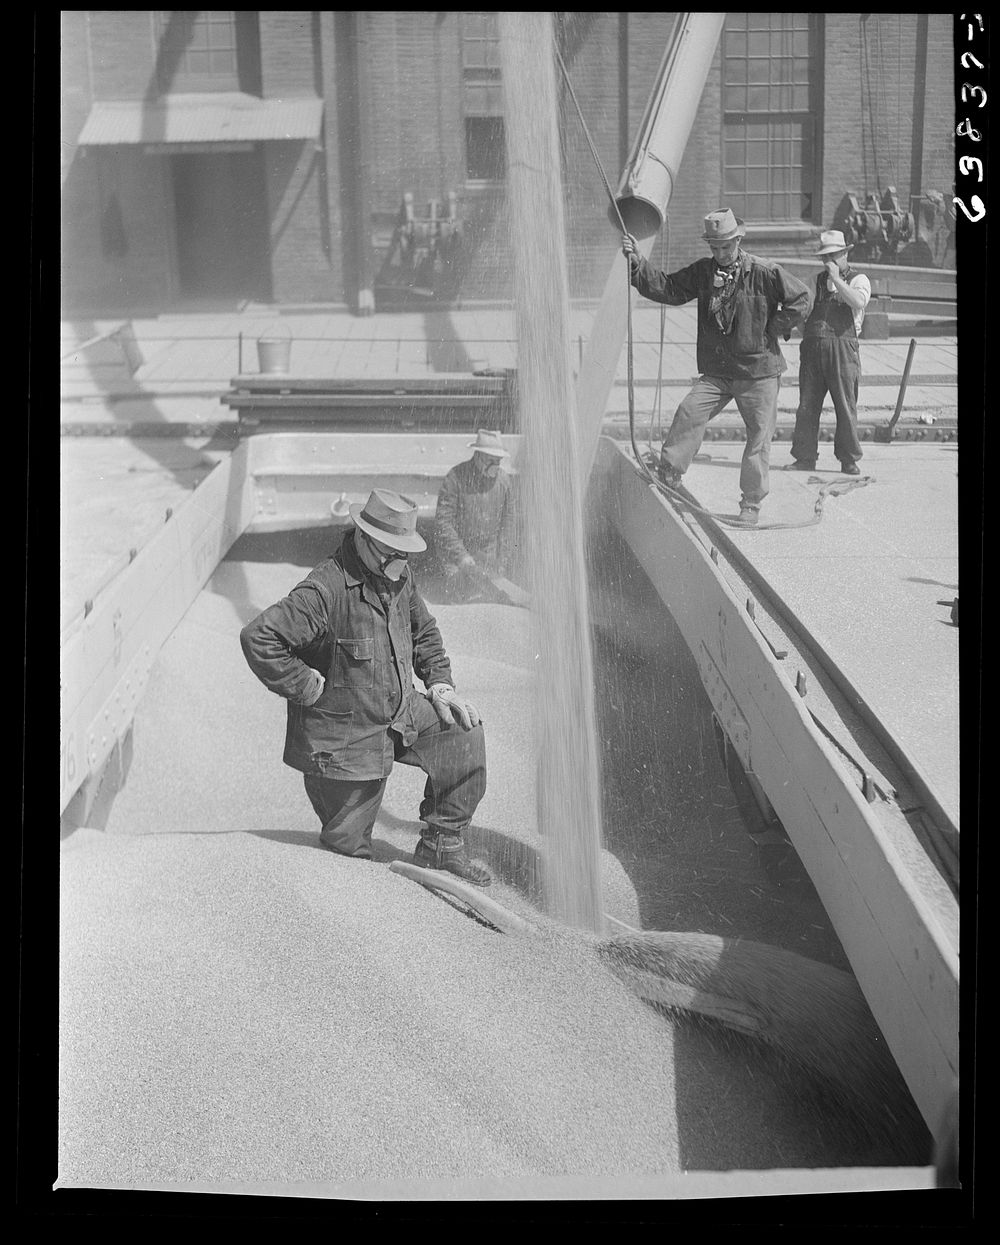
<point>832,488</point>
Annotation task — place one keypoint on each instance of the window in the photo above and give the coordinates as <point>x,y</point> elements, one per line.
<point>770,87</point>
<point>482,98</point>
<point>207,51</point>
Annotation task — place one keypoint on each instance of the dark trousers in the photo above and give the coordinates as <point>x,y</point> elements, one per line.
<point>828,364</point>
<point>454,761</point>
<point>757,402</point>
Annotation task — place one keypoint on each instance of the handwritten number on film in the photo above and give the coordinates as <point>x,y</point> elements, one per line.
<point>971,92</point>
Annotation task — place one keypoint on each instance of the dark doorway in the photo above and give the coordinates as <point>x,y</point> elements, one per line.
<point>223,247</point>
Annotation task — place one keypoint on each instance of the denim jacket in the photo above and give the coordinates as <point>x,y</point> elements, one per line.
<point>366,646</point>
<point>769,304</point>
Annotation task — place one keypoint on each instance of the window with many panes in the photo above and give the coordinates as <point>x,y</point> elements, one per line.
<point>207,51</point>
<point>770,89</point>
<point>482,97</point>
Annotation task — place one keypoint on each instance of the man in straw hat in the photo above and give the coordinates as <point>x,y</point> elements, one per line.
<point>342,648</point>
<point>830,357</point>
<point>475,520</point>
<point>744,305</point>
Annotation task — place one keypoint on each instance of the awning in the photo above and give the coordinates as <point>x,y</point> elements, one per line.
<point>223,118</point>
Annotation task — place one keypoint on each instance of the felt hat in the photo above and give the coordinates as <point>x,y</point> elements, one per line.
<point>831,241</point>
<point>722,226</point>
<point>487,442</point>
<point>391,519</point>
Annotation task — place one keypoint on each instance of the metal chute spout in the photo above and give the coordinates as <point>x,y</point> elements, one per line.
<point>648,179</point>
<point>649,182</point>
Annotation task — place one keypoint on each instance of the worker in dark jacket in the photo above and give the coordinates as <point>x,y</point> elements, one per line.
<point>830,357</point>
<point>745,305</point>
<point>342,648</point>
<point>475,520</point>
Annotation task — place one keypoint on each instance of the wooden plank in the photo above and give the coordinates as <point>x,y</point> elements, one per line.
<point>438,879</point>
<point>395,452</point>
<point>905,962</point>
<point>441,382</point>
<point>105,660</point>
<point>359,401</point>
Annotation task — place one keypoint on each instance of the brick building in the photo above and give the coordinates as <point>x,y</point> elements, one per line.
<point>264,156</point>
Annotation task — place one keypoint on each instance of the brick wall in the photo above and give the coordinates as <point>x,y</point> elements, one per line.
<point>302,266</point>
<point>76,94</point>
<point>288,64</point>
<point>861,96</point>
<point>410,98</point>
<point>417,139</point>
<point>122,53</point>
<point>305,257</point>
<point>939,110</point>
<point>140,278</point>
<point>591,55</point>
<point>109,55</point>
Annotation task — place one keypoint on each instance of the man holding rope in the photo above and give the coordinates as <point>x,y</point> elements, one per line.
<point>744,305</point>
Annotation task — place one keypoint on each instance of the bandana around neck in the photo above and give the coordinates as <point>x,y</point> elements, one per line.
<point>724,283</point>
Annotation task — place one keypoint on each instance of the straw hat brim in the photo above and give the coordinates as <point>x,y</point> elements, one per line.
<point>740,232</point>
<point>410,542</point>
<point>833,250</point>
<point>489,449</point>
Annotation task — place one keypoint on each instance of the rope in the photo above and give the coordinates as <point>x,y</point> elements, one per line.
<point>628,271</point>
<point>590,141</point>
<point>881,77</point>
<point>833,488</point>
<point>656,414</point>
<point>867,57</point>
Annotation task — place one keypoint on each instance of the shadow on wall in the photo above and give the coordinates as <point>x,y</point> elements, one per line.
<point>446,351</point>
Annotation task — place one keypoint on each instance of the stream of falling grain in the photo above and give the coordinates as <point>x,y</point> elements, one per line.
<point>569,798</point>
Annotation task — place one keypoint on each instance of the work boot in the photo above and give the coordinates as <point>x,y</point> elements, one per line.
<point>747,518</point>
<point>850,469</point>
<point>669,476</point>
<point>440,850</point>
<point>801,465</point>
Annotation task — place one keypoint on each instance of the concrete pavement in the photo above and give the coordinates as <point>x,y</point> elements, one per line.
<point>873,582</point>
<point>167,372</point>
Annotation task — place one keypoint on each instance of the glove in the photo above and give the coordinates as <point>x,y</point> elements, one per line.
<point>465,563</point>
<point>446,701</point>
<point>315,689</point>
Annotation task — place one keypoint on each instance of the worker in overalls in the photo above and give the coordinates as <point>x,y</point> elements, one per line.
<point>745,305</point>
<point>342,649</point>
<point>830,358</point>
<point>475,523</point>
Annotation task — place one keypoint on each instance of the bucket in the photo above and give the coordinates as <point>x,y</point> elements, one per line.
<point>274,354</point>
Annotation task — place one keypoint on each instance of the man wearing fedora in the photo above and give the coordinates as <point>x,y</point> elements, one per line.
<point>830,357</point>
<point>342,649</point>
<point>745,305</point>
<point>475,524</point>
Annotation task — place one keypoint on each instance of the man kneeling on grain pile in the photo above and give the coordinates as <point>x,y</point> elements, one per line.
<point>342,649</point>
